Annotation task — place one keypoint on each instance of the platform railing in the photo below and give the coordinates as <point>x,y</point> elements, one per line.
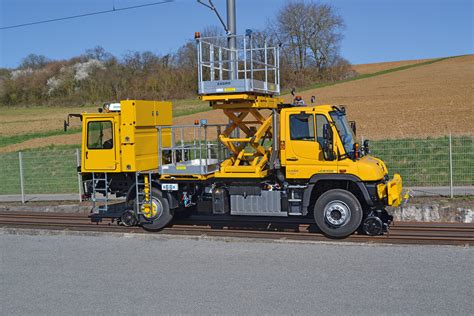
<point>257,66</point>
<point>193,149</point>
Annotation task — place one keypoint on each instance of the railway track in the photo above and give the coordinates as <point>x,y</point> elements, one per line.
<point>261,228</point>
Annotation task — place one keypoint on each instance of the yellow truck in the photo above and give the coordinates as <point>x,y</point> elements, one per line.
<point>271,159</point>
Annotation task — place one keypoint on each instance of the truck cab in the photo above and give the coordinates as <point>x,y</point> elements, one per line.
<point>318,150</point>
<point>320,140</point>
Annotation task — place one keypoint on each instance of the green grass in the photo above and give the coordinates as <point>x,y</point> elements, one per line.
<point>421,162</point>
<point>190,106</point>
<point>15,139</point>
<point>425,162</point>
<point>44,171</point>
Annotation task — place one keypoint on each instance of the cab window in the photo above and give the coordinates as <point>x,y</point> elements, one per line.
<point>302,127</point>
<point>99,135</point>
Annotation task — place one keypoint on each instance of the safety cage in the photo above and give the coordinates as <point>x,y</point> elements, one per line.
<point>253,66</point>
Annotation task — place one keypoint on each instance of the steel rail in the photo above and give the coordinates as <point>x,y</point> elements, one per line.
<point>406,233</point>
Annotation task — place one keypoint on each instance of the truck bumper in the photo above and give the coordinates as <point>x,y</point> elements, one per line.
<point>395,191</point>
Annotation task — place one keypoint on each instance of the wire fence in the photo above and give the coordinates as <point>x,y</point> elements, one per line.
<point>431,162</point>
<point>444,165</point>
<point>39,172</point>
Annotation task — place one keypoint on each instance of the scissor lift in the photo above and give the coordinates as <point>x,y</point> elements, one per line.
<point>242,82</point>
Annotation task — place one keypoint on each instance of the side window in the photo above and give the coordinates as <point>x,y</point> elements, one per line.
<point>99,135</point>
<point>320,121</point>
<point>302,127</point>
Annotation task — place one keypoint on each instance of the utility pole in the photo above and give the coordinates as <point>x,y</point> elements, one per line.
<point>232,40</point>
<point>231,31</point>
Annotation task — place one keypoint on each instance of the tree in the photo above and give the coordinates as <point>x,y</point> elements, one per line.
<point>310,33</point>
<point>34,61</point>
<point>98,53</point>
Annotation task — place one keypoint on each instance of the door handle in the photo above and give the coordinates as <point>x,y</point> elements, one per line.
<point>292,159</point>
<point>87,154</point>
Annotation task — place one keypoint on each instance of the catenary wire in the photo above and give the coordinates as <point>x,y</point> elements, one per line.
<point>86,14</point>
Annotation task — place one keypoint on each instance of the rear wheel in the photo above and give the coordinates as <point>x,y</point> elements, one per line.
<point>159,215</point>
<point>338,213</point>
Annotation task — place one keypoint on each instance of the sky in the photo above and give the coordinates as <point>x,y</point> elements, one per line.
<point>376,30</point>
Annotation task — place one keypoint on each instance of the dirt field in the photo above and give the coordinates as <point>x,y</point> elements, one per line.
<point>376,67</point>
<point>429,100</point>
<point>57,140</point>
<point>33,120</point>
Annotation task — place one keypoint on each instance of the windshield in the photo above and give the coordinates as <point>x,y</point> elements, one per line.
<point>344,130</point>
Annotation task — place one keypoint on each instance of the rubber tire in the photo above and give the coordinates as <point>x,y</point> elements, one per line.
<point>165,218</point>
<point>354,206</point>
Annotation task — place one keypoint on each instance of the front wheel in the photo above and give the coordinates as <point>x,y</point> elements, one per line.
<point>338,213</point>
<point>159,215</point>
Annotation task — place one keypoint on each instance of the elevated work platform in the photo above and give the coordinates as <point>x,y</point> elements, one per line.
<point>242,82</point>
<point>249,68</point>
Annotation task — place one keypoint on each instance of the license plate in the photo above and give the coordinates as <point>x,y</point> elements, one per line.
<point>169,187</point>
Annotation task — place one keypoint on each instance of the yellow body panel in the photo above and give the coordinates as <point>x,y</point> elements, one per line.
<point>243,100</point>
<point>394,191</point>
<point>135,137</point>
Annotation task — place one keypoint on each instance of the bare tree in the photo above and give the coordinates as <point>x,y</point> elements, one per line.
<point>310,33</point>
<point>34,61</point>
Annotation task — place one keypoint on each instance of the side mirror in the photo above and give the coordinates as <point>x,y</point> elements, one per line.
<point>366,147</point>
<point>353,127</point>
<point>67,123</point>
<point>328,150</point>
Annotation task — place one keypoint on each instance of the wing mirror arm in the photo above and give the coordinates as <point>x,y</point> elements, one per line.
<point>328,149</point>
<point>67,121</point>
<point>353,127</point>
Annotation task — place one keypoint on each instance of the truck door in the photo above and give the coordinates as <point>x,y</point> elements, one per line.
<point>303,149</point>
<point>98,152</point>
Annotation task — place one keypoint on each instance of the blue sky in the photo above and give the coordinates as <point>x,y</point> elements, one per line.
<point>376,30</point>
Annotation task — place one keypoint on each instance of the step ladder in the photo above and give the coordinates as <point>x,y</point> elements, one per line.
<point>97,180</point>
<point>144,197</point>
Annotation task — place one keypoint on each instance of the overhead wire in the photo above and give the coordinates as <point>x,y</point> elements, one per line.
<point>114,9</point>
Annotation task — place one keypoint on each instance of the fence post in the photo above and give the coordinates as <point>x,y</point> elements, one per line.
<point>22,180</point>
<point>79,176</point>
<point>451,189</point>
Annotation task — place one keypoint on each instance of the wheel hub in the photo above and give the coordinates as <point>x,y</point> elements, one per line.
<point>152,210</point>
<point>337,213</point>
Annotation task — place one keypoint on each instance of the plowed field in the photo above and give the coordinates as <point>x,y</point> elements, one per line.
<point>429,100</point>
